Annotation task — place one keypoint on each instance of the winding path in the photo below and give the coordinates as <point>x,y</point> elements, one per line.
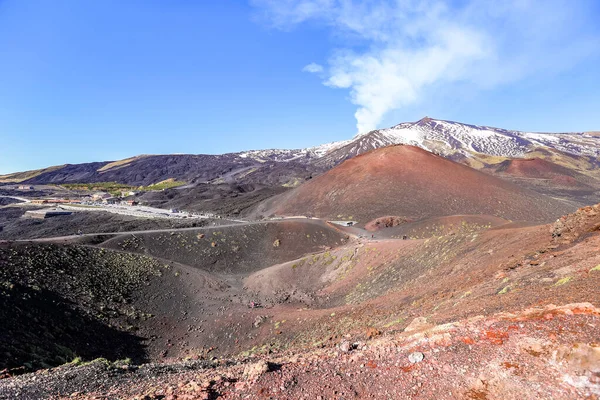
<point>320,222</point>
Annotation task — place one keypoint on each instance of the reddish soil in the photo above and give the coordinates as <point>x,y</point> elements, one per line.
<point>572,179</point>
<point>437,226</point>
<point>413,183</point>
<point>539,353</point>
<point>537,168</point>
<point>534,168</point>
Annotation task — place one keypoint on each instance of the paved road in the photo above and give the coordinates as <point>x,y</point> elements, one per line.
<point>18,198</point>
<point>134,211</point>
<point>245,223</point>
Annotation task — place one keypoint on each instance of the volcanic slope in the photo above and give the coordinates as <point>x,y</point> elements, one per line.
<point>410,182</point>
<point>537,168</point>
<point>63,301</point>
<point>233,250</point>
<point>498,314</point>
<point>541,173</point>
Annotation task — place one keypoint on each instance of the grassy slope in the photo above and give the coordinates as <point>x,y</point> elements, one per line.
<point>23,176</point>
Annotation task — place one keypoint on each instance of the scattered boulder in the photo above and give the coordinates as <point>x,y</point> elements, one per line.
<point>345,346</point>
<point>557,229</point>
<point>416,357</point>
<point>580,357</point>
<point>254,371</point>
<point>372,332</point>
<point>277,243</point>
<point>572,226</point>
<point>259,320</point>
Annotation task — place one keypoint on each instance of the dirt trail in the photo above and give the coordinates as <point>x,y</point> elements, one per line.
<point>166,230</point>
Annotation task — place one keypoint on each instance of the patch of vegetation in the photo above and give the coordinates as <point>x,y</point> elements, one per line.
<point>121,163</point>
<point>78,361</point>
<point>166,184</point>
<point>292,183</point>
<point>109,187</point>
<point>564,280</point>
<point>505,290</point>
<point>23,176</point>
<point>393,322</point>
<point>116,188</point>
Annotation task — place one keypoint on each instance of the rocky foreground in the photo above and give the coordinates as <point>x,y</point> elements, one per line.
<point>550,352</point>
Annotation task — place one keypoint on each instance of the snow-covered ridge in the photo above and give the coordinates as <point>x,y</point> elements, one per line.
<point>291,155</point>
<point>444,137</point>
<point>453,137</point>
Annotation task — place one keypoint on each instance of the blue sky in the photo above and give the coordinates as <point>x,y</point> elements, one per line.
<point>103,80</point>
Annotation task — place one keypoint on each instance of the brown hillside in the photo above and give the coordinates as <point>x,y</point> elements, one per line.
<point>542,169</point>
<point>534,168</point>
<point>574,179</point>
<point>413,183</point>
<point>546,173</point>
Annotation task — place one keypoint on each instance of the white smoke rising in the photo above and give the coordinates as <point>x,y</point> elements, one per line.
<point>407,46</point>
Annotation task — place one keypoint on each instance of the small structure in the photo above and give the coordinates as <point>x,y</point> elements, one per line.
<point>344,223</point>
<point>55,201</point>
<point>100,196</point>
<point>47,213</point>
<point>111,200</point>
<point>129,202</point>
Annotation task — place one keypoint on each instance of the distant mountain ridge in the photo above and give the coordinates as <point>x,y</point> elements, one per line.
<point>453,140</point>
<point>457,140</point>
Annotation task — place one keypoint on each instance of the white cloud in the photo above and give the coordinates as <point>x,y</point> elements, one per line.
<point>313,68</point>
<point>407,46</point>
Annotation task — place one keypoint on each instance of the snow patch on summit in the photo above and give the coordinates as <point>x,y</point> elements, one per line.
<point>465,139</point>
<point>444,137</point>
